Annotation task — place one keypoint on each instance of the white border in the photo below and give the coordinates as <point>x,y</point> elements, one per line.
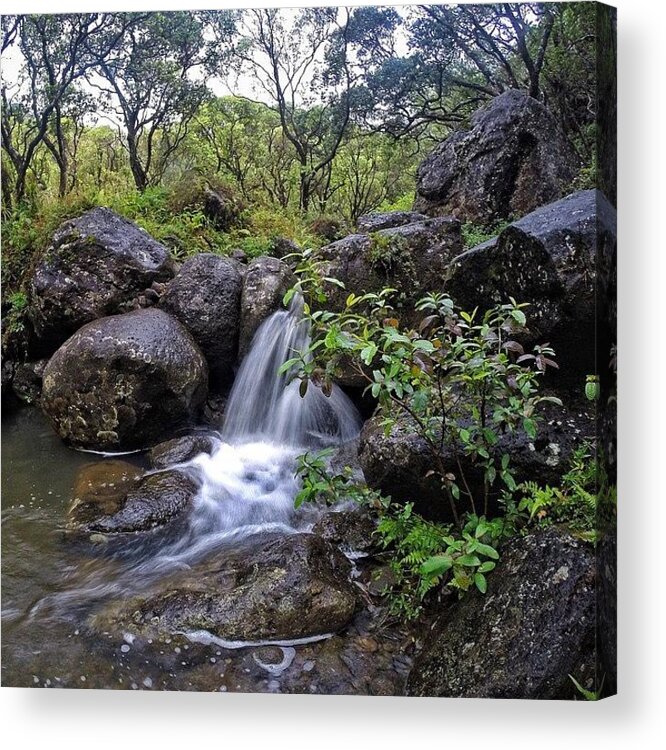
<point>118,720</point>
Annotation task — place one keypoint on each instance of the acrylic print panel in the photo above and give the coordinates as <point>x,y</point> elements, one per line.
<point>308,374</point>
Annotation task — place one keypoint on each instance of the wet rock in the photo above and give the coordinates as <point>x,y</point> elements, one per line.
<point>125,502</point>
<point>533,627</point>
<point>99,491</point>
<point>221,209</point>
<point>266,282</point>
<point>351,530</point>
<point>549,260</point>
<point>239,255</point>
<point>179,450</point>
<point>288,588</point>
<point>411,258</point>
<point>96,265</point>
<point>375,221</point>
<point>398,464</point>
<point>125,382</point>
<point>512,160</point>
<point>281,247</point>
<point>205,298</point>
<point>27,380</point>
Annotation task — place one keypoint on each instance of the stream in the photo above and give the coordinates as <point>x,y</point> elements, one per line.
<point>51,586</point>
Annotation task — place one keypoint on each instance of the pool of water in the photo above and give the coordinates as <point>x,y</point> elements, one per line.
<point>50,587</point>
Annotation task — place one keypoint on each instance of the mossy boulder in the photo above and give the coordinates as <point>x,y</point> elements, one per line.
<point>266,281</point>
<point>205,298</point>
<point>513,159</point>
<point>125,382</point>
<point>96,265</point>
<point>286,588</point>
<point>532,629</point>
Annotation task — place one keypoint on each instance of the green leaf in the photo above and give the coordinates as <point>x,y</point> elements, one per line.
<point>486,567</point>
<point>487,550</point>
<point>435,566</point>
<point>529,425</point>
<point>480,582</point>
<point>469,561</point>
<point>519,317</point>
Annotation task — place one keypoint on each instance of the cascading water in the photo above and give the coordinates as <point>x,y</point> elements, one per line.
<point>247,484</point>
<point>268,406</point>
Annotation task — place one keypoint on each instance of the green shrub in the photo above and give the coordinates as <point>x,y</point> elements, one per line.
<point>475,234</point>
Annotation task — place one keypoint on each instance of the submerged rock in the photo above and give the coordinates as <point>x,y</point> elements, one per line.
<point>265,284</point>
<point>179,450</point>
<point>113,497</point>
<point>512,160</point>
<point>96,265</point>
<point>549,260</point>
<point>524,637</point>
<point>205,298</point>
<point>125,382</point>
<point>288,588</point>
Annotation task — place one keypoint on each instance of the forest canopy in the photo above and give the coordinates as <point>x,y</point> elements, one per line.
<point>306,118</point>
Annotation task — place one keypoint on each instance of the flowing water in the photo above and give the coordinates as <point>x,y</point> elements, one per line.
<point>246,488</point>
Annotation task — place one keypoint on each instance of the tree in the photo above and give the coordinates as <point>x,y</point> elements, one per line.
<point>149,88</point>
<point>460,56</point>
<point>55,52</point>
<point>302,64</point>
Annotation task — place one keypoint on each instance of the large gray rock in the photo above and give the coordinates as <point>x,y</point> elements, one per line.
<point>266,281</point>
<point>399,464</point>
<point>548,259</point>
<point>124,382</point>
<point>375,221</point>
<point>291,587</point>
<point>96,265</point>
<point>410,257</point>
<point>532,629</point>
<point>205,297</point>
<point>512,160</point>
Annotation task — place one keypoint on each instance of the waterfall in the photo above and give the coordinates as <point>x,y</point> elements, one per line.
<point>248,483</point>
<point>266,406</point>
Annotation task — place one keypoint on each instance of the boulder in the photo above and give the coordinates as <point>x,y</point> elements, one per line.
<point>281,247</point>
<point>112,497</point>
<point>205,297</point>
<point>549,260</point>
<point>532,629</point>
<point>220,209</point>
<point>125,382</point>
<point>179,450</point>
<point>266,282</point>
<point>375,221</point>
<point>287,588</point>
<point>27,380</point>
<point>411,257</point>
<point>350,530</point>
<point>398,464</point>
<point>96,265</point>
<point>512,160</point>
